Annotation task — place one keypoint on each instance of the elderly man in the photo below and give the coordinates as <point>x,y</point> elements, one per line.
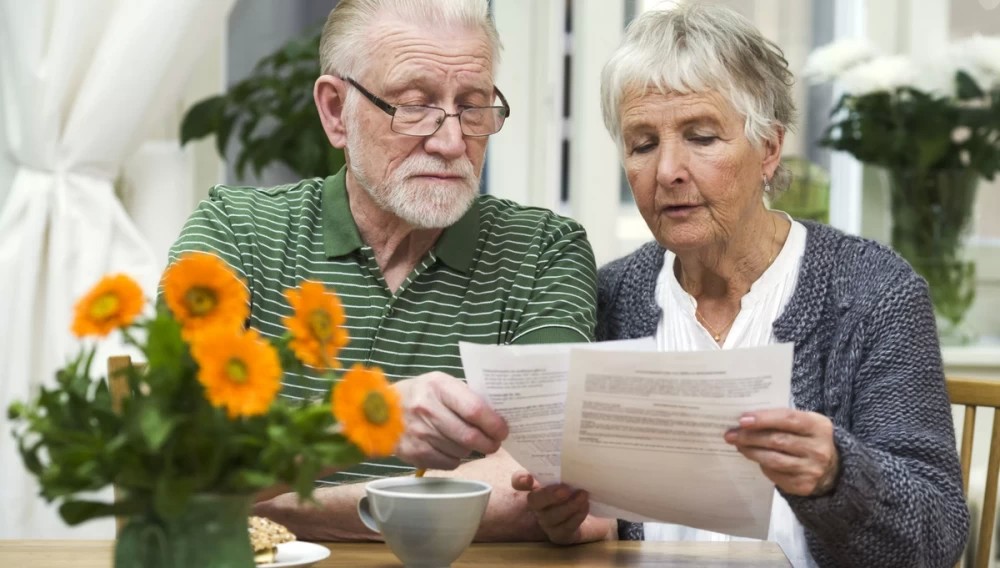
<point>418,257</point>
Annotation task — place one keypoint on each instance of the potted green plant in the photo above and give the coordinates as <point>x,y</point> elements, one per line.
<point>272,115</point>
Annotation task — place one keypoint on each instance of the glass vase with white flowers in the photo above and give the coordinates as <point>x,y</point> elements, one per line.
<point>934,125</point>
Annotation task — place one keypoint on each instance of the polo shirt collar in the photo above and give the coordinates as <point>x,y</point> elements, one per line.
<point>340,232</point>
<point>455,247</point>
<point>457,244</point>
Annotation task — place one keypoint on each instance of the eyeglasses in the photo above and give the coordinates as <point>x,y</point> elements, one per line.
<point>419,120</point>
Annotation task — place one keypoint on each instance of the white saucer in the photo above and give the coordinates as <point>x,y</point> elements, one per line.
<point>297,553</point>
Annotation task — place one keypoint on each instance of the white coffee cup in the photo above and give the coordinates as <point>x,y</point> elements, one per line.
<point>426,521</point>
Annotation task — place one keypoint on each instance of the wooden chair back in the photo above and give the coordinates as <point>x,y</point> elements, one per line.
<point>117,380</point>
<point>972,394</point>
<point>119,389</point>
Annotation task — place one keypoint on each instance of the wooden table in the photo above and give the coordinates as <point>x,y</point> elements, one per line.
<point>97,554</point>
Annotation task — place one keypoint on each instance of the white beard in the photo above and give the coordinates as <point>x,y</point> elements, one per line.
<point>422,204</point>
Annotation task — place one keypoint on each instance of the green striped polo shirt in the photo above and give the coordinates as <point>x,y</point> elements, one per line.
<point>502,274</point>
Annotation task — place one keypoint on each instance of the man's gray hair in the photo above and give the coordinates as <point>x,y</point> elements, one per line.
<point>345,46</point>
<point>698,48</point>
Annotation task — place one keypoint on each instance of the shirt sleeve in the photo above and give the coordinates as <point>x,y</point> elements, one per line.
<point>208,230</point>
<point>561,306</point>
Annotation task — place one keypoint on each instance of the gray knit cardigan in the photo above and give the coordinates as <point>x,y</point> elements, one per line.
<point>867,356</point>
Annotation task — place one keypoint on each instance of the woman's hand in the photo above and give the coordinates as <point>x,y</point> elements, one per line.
<point>563,512</point>
<point>794,449</point>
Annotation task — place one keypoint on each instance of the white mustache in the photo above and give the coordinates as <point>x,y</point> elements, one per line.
<point>429,164</point>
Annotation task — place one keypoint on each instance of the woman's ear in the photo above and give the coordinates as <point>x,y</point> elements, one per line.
<point>772,152</point>
<point>329,93</point>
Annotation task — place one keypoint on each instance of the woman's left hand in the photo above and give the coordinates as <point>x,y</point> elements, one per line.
<point>794,449</point>
<point>563,512</point>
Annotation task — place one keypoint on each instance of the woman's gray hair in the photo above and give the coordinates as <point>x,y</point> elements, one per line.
<point>699,48</point>
<point>345,46</point>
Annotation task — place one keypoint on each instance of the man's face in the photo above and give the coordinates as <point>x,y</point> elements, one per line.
<point>427,181</point>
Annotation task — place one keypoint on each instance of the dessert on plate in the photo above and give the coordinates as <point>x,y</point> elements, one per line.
<point>265,536</point>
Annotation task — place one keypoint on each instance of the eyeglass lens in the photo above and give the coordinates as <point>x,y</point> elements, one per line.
<point>423,121</point>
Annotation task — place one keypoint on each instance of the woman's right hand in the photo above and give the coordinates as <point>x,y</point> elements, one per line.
<point>563,512</point>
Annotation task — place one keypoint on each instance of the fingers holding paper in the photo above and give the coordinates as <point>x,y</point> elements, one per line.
<point>794,449</point>
<point>560,509</point>
<point>445,422</point>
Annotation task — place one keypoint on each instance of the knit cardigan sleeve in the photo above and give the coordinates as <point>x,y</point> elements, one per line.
<point>899,500</point>
<point>608,278</point>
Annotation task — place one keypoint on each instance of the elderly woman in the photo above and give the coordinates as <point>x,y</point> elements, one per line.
<point>864,462</point>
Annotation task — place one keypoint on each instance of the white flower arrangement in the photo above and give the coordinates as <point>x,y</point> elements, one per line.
<point>829,62</point>
<point>934,124</point>
<point>922,114</point>
<point>979,56</point>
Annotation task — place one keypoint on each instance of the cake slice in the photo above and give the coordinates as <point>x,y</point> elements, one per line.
<point>265,536</point>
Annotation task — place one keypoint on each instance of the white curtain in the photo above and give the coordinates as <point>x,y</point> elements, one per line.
<point>79,80</point>
<point>6,167</point>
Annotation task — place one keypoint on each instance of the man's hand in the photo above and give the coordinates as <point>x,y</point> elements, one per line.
<point>563,512</point>
<point>445,422</point>
<point>795,449</point>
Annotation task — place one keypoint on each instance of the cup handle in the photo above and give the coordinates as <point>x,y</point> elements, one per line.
<point>366,515</point>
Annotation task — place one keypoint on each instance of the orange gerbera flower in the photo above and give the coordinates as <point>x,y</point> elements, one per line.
<point>369,410</point>
<point>239,370</point>
<point>317,326</point>
<point>114,302</point>
<point>203,292</point>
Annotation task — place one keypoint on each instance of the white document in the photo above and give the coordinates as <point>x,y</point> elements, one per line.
<point>644,432</point>
<point>641,431</point>
<point>526,384</point>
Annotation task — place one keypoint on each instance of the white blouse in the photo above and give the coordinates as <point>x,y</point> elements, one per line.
<point>680,330</point>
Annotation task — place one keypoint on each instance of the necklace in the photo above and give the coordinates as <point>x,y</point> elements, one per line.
<point>717,335</point>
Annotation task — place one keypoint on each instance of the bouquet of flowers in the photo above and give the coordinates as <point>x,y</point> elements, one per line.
<point>934,125</point>
<point>204,416</point>
<point>901,113</point>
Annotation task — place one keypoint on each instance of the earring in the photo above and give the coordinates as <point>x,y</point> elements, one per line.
<point>767,184</point>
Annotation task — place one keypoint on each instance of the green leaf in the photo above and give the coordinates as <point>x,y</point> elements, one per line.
<point>31,460</point>
<point>155,426</point>
<point>280,435</point>
<point>166,352</point>
<point>16,411</point>
<point>967,86</point>
<point>339,451</point>
<point>75,512</point>
<point>134,474</point>
<point>930,150</point>
<point>202,119</point>
<point>252,480</point>
<point>107,421</point>
<point>223,129</point>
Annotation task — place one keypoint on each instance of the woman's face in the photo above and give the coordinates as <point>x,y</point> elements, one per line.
<point>695,177</point>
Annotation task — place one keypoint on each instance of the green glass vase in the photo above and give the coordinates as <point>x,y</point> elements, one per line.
<point>931,213</point>
<point>210,531</point>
